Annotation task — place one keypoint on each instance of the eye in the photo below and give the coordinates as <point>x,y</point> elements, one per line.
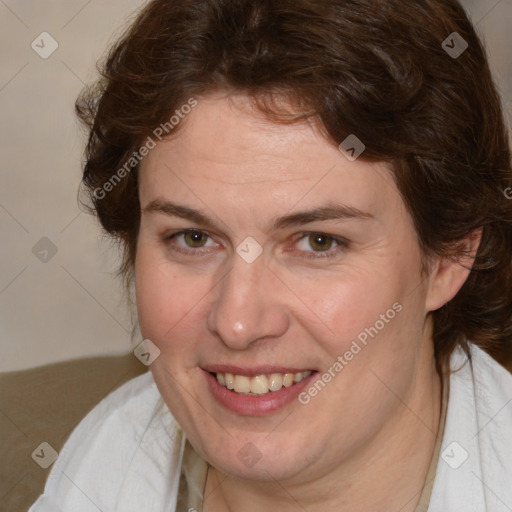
<point>320,245</point>
<point>318,241</point>
<point>194,239</point>
<point>187,240</point>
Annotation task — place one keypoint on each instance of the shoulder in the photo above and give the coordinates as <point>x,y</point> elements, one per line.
<point>98,457</point>
<point>493,404</point>
<point>128,409</point>
<point>484,387</point>
<point>489,383</point>
<point>475,467</point>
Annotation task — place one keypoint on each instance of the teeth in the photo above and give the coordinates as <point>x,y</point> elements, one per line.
<point>288,379</point>
<point>230,380</point>
<point>242,384</point>
<point>260,384</point>
<point>297,377</point>
<point>275,383</point>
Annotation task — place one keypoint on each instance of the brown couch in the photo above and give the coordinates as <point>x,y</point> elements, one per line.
<point>44,405</point>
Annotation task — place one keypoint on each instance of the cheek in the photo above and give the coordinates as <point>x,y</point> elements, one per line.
<point>347,306</point>
<point>368,311</point>
<point>167,298</point>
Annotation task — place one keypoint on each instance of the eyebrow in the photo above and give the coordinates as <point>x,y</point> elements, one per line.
<point>331,211</point>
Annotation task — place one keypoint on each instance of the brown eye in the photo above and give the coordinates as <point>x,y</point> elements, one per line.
<point>320,242</point>
<point>321,245</point>
<point>195,239</point>
<point>191,242</point>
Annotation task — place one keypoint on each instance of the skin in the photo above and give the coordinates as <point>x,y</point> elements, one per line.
<point>366,440</point>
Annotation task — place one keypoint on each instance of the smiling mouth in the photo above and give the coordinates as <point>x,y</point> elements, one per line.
<point>259,384</point>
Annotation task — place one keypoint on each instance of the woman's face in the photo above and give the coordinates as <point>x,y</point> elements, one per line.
<point>300,265</point>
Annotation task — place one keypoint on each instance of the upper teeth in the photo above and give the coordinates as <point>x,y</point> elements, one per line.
<point>260,384</point>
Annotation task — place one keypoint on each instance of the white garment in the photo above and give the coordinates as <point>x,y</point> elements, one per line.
<point>126,454</point>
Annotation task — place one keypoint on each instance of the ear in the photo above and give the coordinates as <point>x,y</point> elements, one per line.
<point>448,274</point>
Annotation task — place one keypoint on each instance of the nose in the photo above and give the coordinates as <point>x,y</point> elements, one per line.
<point>249,305</point>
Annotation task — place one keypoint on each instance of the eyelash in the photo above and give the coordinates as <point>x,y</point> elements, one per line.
<point>342,244</point>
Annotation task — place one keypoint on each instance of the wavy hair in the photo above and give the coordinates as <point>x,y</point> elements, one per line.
<point>376,69</point>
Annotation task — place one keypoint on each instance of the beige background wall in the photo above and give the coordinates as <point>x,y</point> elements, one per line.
<point>65,305</point>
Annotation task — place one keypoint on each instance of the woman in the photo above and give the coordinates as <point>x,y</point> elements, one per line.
<point>310,196</point>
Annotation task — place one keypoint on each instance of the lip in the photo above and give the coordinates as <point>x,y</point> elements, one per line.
<point>257,405</point>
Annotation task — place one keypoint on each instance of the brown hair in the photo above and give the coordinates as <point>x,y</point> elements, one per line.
<point>375,69</point>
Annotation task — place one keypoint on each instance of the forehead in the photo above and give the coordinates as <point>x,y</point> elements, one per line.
<point>227,150</point>
<point>231,130</point>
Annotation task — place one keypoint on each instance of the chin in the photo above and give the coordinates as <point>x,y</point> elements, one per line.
<point>256,457</point>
